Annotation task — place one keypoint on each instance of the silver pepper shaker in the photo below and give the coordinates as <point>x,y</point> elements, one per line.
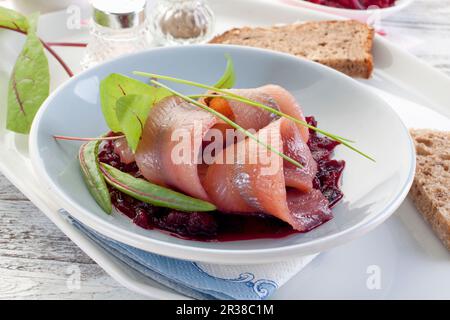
<point>117,28</point>
<point>181,22</point>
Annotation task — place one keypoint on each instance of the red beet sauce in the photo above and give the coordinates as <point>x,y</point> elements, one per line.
<point>355,4</point>
<point>218,226</point>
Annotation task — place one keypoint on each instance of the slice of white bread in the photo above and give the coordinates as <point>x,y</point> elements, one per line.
<point>344,45</point>
<point>431,188</point>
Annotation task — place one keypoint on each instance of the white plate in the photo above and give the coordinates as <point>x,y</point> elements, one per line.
<point>372,191</point>
<point>403,243</point>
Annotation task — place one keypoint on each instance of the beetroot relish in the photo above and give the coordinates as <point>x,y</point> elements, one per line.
<point>145,215</point>
<point>355,4</point>
<point>215,226</point>
<point>218,226</point>
<point>107,155</point>
<point>329,171</point>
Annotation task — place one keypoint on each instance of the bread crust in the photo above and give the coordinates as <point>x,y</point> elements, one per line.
<point>360,67</point>
<point>430,191</point>
<point>369,47</point>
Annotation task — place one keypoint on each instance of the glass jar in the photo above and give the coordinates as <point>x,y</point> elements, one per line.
<point>181,22</point>
<point>116,28</point>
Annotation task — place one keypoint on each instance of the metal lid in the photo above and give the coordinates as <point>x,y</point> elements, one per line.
<point>120,14</point>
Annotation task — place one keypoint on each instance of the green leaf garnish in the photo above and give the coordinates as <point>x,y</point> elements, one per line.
<point>29,84</point>
<point>13,20</point>
<point>132,112</point>
<point>112,88</point>
<point>93,176</point>
<point>230,122</point>
<point>337,138</point>
<point>126,103</point>
<point>151,193</point>
<point>228,79</point>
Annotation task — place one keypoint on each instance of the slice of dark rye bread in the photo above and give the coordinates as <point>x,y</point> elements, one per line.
<point>344,45</point>
<point>431,188</point>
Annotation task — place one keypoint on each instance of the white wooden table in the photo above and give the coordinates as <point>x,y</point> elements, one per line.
<point>37,260</point>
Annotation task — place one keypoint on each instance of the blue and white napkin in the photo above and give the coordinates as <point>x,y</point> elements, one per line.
<point>199,280</point>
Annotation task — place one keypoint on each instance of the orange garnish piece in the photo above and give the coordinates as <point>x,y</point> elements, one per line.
<point>222,106</point>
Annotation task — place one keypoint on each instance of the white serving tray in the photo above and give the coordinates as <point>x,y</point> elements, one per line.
<point>404,252</point>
